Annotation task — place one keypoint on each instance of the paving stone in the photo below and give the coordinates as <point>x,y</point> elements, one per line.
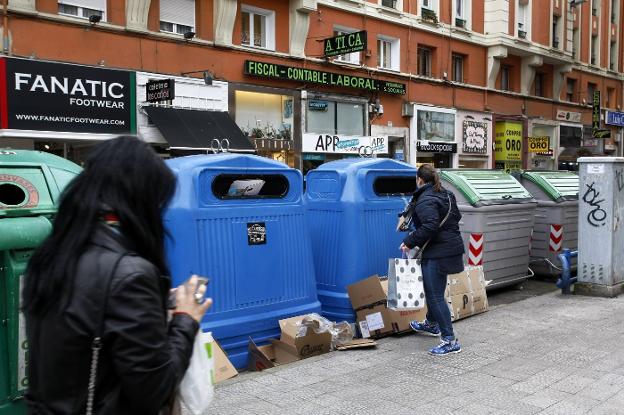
<point>572,384</point>
<point>545,398</point>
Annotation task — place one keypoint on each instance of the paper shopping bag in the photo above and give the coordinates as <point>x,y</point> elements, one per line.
<point>405,284</point>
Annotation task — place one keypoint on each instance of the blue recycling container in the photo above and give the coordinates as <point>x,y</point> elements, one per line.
<point>239,220</point>
<point>352,211</point>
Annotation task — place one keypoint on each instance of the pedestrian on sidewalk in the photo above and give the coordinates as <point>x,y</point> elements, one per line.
<point>435,218</point>
<point>95,294</point>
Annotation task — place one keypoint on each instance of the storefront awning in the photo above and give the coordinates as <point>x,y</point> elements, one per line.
<point>196,130</point>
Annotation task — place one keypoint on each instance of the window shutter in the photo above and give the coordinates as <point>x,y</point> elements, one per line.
<point>178,12</point>
<point>89,4</point>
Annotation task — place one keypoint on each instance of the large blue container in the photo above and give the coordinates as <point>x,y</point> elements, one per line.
<point>353,207</point>
<point>254,249</point>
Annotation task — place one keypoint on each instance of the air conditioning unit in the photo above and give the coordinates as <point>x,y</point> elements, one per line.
<point>407,110</point>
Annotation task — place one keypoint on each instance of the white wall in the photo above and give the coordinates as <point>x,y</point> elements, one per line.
<point>190,93</point>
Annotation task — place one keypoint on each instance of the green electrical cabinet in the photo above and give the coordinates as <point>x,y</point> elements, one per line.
<point>30,186</point>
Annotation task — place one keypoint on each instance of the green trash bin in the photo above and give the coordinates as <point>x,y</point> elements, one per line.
<point>556,218</point>
<point>30,185</point>
<point>497,220</point>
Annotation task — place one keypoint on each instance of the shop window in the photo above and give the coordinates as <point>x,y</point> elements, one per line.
<point>591,88</point>
<point>177,16</point>
<point>505,75</point>
<point>424,61</point>
<point>539,84</point>
<point>458,68</point>
<point>347,57</point>
<point>261,115</point>
<point>345,118</point>
<point>435,125</point>
<point>250,186</point>
<point>388,53</point>
<point>258,27</point>
<point>570,90</point>
<point>394,186</point>
<point>83,8</point>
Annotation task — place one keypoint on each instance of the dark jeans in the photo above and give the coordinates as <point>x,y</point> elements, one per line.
<point>435,285</point>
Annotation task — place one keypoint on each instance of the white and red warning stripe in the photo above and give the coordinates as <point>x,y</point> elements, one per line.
<point>475,249</point>
<point>556,238</point>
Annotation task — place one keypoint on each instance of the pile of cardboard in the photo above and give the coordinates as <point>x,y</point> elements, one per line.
<point>465,293</point>
<point>374,318</point>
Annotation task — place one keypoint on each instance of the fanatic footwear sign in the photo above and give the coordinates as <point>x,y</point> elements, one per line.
<point>46,96</point>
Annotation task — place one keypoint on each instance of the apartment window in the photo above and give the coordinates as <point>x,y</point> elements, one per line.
<point>613,56</point>
<point>570,89</point>
<point>424,61</point>
<point>388,53</point>
<point>591,88</point>
<point>555,32</point>
<point>505,78</point>
<point>523,18</point>
<point>594,50</point>
<point>458,68</point>
<point>393,4</point>
<point>576,41</point>
<point>427,4</point>
<point>348,57</point>
<point>539,84</point>
<point>83,8</point>
<point>462,13</point>
<point>177,16</point>
<point>594,5</point>
<point>615,6</point>
<point>258,27</point>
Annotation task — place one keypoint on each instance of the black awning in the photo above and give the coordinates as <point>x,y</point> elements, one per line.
<point>196,129</point>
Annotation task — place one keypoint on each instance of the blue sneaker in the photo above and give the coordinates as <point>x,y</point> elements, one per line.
<point>426,328</point>
<point>446,347</point>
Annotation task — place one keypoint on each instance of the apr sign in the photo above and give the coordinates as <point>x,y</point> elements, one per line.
<point>342,144</point>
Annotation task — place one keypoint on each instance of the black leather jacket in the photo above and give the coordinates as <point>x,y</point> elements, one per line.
<point>143,358</point>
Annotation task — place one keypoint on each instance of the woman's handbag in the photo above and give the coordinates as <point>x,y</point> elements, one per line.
<point>405,279</point>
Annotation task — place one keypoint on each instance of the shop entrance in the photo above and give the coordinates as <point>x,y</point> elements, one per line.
<point>438,160</point>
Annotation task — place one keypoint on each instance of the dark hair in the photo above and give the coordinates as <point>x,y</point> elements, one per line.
<point>429,175</point>
<point>124,176</point>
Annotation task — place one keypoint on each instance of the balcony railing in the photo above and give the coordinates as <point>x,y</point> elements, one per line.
<point>389,3</point>
<point>428,15</point>
<point>522,34</point>
<point>459,22</point>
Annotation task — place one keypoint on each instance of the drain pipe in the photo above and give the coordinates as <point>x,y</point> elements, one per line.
<point>566,279</point>
<point>5,29</point>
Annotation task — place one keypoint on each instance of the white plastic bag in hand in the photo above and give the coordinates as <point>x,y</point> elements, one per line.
<point>196,389</point>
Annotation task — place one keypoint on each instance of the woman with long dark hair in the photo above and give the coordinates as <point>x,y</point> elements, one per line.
<point>95,293</point>
<point>435,217</point>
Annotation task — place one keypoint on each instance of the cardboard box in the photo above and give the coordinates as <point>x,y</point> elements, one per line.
<point>295,345</point>
<point>224,369</point>
<point>466,293</point>
<point>459,284</point>
<point>260,357</point>
<point>462,305</point>
<point>370,291</point>
<point>480,301</point>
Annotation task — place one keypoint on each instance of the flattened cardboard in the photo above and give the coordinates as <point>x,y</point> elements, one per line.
<point>394,321</point>
<point>224,369</point>
<point>459,283</point>
<point>367,292</point>
<point>260,357</point>
<point>477,278</point>
<point>480,301</point>
<point>357,344</point>
<point>462,305</point>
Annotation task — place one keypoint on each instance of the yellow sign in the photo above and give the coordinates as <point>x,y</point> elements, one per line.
<point>508,142</point>
<point>512,167</point>
<point>539,144</point>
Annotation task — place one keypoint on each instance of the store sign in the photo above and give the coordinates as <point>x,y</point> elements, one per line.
<point>601,133</point>
<point>509,166</point>
<point>160,90</point>
<point>290,73</point>
<point>615,118</point>
<point>508,142</point>
<point>342,144</point>
<point>539,144</point>
<point>430,147</point>
<point>47,96</point>
<point>343,44</point>
<point>475,137</point>
<point>548,153</point>
<point>568,116</point>
<point>596,110</point>
<point>316,105</point>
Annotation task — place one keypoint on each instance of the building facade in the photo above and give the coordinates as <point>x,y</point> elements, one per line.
<point>456,83</point>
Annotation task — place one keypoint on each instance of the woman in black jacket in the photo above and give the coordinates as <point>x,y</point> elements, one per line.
<point>442,253</point>
<point>95,294</point>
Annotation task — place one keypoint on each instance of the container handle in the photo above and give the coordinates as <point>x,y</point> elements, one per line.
<point>507,197</point>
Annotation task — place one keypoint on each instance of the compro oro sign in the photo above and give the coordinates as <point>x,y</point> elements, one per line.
<point>508,142</point>
<point>344,144</point>
<point>48,96</point>
<point>539,144</point>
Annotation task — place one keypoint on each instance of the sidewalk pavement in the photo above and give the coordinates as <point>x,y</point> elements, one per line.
<point>548,354</point>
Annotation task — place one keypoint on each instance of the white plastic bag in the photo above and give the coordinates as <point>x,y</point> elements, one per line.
<point>197,389</point>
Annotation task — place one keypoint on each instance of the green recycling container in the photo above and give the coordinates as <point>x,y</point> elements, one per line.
<point>31,183</point>
<point>556,218</point>
<point>497,220</point>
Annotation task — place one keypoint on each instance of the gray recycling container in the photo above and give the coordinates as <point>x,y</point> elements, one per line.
<point>497,221</point>
<point>556,217</point>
